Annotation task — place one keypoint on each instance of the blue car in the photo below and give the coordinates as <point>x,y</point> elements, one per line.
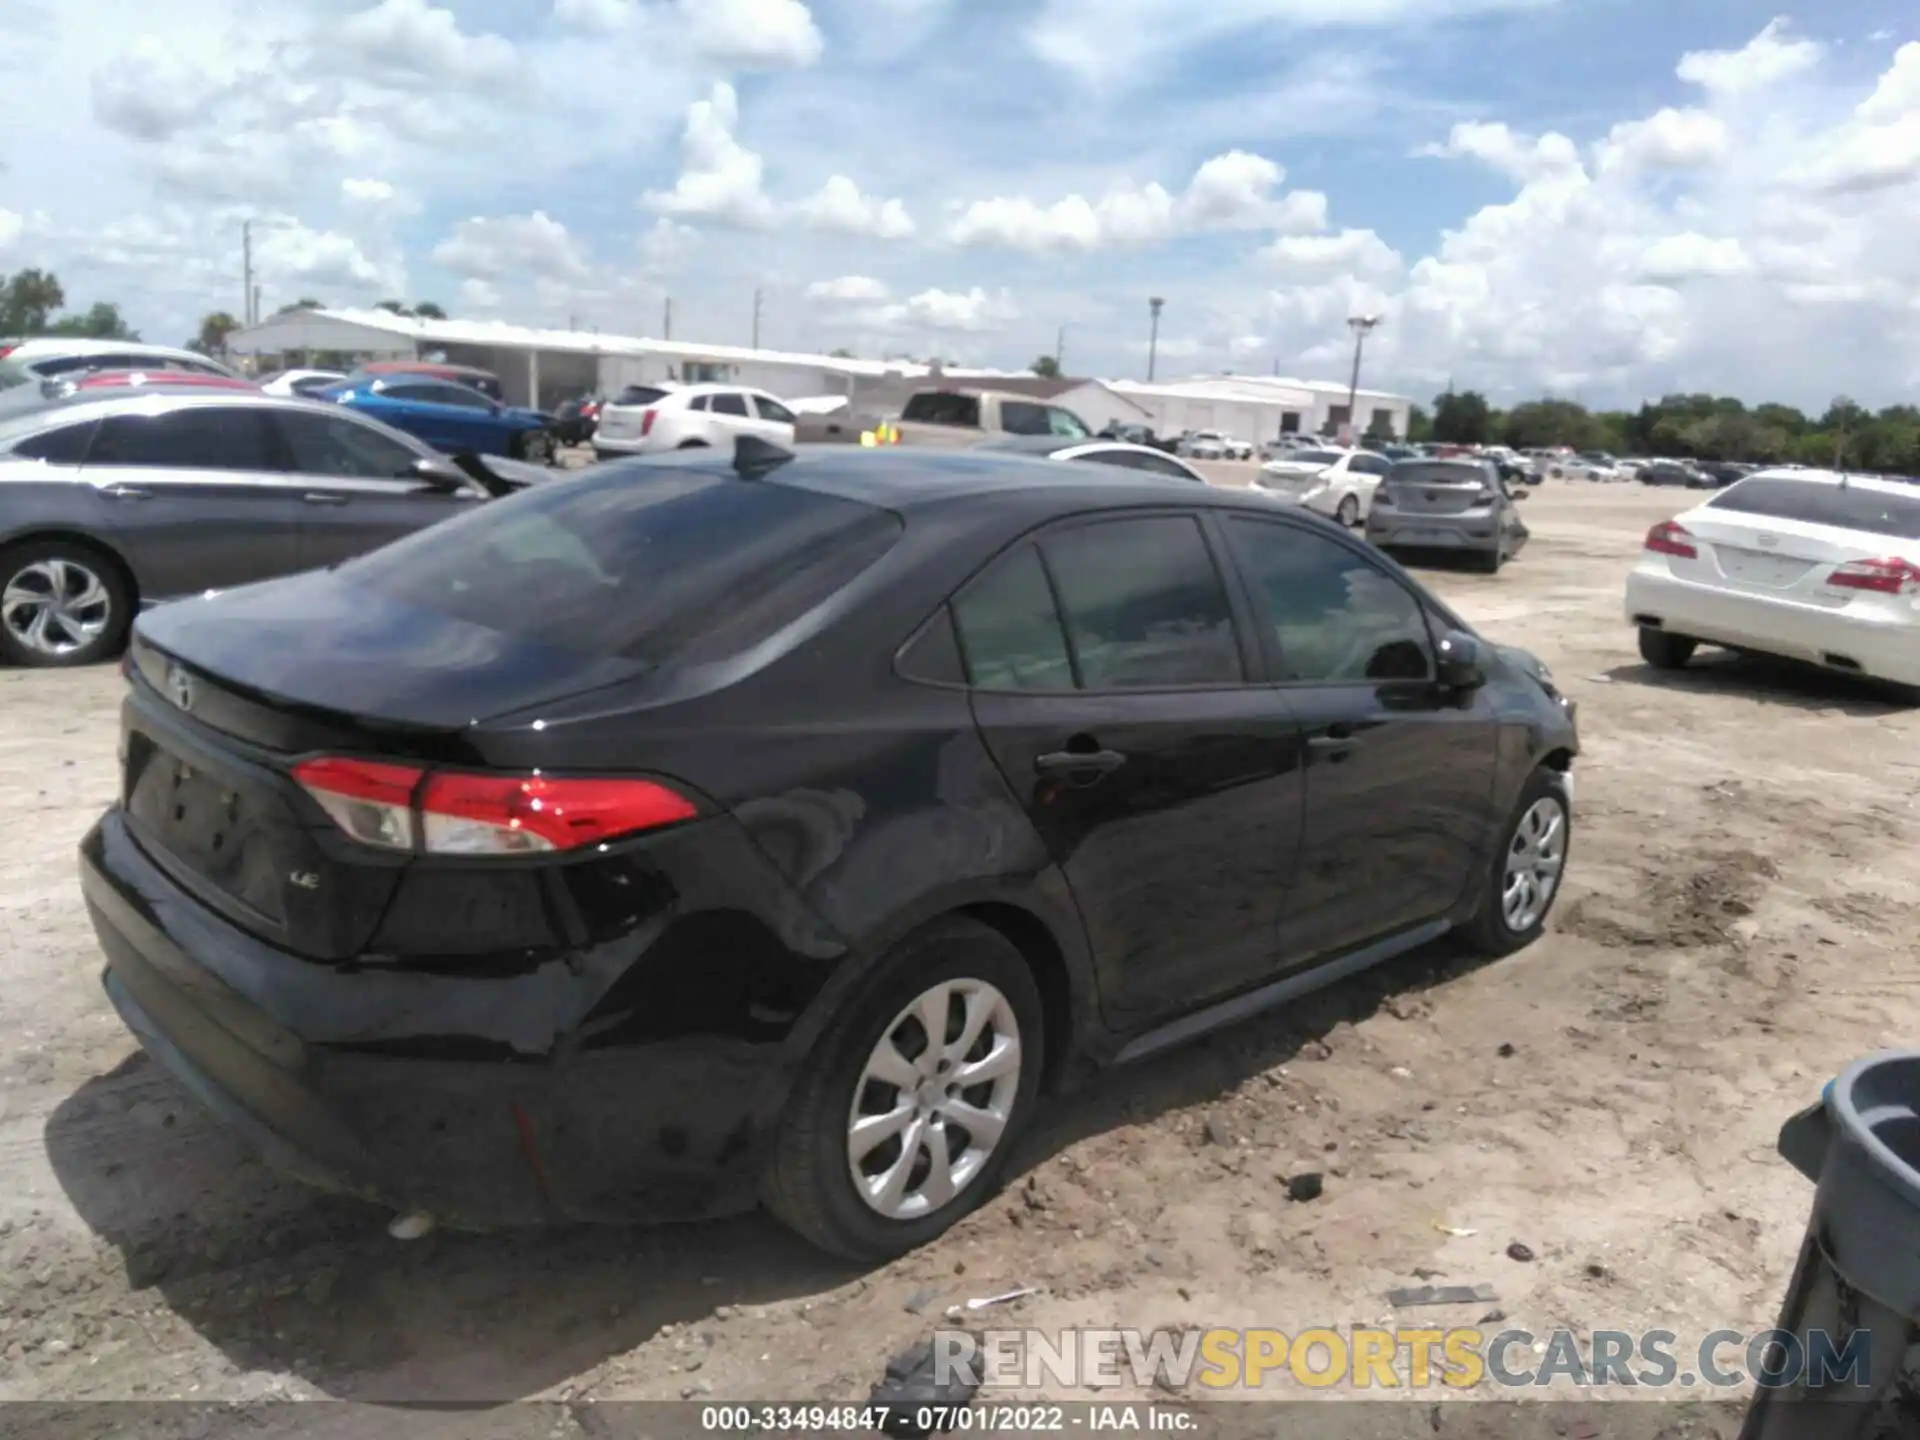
<point>454,419</point>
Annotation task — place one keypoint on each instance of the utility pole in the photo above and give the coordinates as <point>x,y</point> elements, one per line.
<point>1060,349</point>
<point>1361,325</point>
<point>756,318</point>
<point>1153,336</point>
<point>256,304</point>
<point>666,319</point>
<point>246,271</point>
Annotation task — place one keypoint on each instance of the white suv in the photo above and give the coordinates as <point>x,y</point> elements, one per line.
<point>692,416</point>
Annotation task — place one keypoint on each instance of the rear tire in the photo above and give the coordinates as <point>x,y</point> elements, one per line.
<point>63,603</point>
<point>1664,650</point>
<point>1489,564</point>
<point>809,1183</point>
<point>1535,841</point>
<point>693,445</point>
<point>1348,513</point>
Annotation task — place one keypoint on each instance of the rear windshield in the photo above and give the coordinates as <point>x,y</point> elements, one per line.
<point>941,407</point>
<point>1425,472</point>
<point>640,395</point>
<point>1846,507</point>
<point>1314,457</point>
<point>655,565</point>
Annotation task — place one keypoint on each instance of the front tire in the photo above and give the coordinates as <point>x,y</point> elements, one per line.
<point>1524,878</point>
<point>893,1132</point>
<point>1348,511</point>
<point>1664,650</point>
<point>62,603</point>
<point>535,447</point>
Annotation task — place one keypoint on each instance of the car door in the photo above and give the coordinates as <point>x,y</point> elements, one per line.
<point>472,420</point>
<point>1367,472</point>
<point>775,422</point>
<point>357,485</point>
<point>1110,681</point>
<point>729,408</point>
<point>1399,773</point>
<point>198,494</point>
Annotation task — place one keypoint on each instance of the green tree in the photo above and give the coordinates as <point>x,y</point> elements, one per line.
<point>427,310</point>
<point>397,307</point>
<point>1046,367</point>
<point>841,352</point>
<point>28,300</point>
<point>1462,417</point>
<point>99,321</point>
<point>299,305</point>
<point>1419,425</point>
<point>214,329</point>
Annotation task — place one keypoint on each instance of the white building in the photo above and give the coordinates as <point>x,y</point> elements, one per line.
<point>543,367</point>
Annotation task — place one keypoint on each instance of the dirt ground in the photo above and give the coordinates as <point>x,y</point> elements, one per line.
<point>1736,926</point>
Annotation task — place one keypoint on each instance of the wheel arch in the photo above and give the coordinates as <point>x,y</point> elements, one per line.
<point>39,533</point>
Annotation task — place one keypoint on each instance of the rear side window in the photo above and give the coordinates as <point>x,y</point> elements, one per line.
<point>659,566</point>
<point>223,437</point>
<point>940,407</point>
<point>1010,631</point>
<point>1847,507</point>
<point>730,405</point>
<point>1144,604</point>
<point>65,446</point>
<point>639,395</point>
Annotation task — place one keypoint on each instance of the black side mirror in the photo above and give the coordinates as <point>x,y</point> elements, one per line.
<point>1463,662</point>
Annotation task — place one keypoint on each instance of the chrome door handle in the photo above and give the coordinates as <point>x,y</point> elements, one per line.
<point>128,492</point>
<point>324,497</point>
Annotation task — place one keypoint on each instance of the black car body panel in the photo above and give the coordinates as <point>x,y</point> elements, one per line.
<point>613,1033</point>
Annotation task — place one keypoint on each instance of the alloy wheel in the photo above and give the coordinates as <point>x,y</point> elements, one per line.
<point>1535,857</point>
<point>934,1099</point>
<point>56,606</point>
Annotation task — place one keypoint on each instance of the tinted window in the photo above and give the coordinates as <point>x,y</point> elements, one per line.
<point>1336,616</point>
<point>730,404</point>
<point>65,446</point>
<point>772,409</point>
<point>1315,457</point>
<point>334,445</point>
<point>1848,507</point>
<point>657,566</point>
<point>1022,417</point>
<point>13,373</point>
<point>639,395</point>
<point>698,402</point>
<point>225,437</point>
<point>1065,422</point>
<point>1419,472</point>
<point>1144,604</point>
<point>1010,632</point>
<point>1371,465</point>
<point>942,407</point>
<point>458,395</point>
<point>1137,460</point>
<point>934,654</point>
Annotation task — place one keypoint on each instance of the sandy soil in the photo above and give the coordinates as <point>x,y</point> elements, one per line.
<point>1737,925</point>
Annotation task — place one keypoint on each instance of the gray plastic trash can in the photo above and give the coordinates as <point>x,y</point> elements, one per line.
<point>1853,1306</point>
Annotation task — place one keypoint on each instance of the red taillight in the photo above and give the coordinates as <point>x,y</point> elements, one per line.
<point>371,802</point>
<point>646,422</point>
<point>1669,538</point>
<point>512,814</point>
<point>1882,577</point>
<point>456,813</point>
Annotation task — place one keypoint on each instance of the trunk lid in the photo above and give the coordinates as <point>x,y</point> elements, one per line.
<point>1436,490</point>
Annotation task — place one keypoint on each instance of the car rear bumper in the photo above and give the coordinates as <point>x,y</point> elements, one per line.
<point>655,1133</point>
<point>1433,532</point>
<point>1883,649</point>
<point>605,445</point>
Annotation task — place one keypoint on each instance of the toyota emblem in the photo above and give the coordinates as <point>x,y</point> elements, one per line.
<point>180,687</point>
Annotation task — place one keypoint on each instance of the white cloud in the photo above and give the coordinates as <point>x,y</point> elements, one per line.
<point>848,288</point>
<point>756,34</point>
<point>596,17</point>
<point>1517,156</point>
<point>841,209</point>
<point>499,247</point>
<point>1693,256</point>
<point>1233,191</point>
<point>1767,59</point>
<point>720,179</point>
<point>1897,96</point>
<point>667,244</point>
<point>414,40</point>
<point>479,295</point>
<point>1349,252</point>
<point>11,226</point>
<point>975,310</point>
<point>1667,140</point>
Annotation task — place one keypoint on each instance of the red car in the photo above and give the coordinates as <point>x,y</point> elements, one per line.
<point>126,379</point>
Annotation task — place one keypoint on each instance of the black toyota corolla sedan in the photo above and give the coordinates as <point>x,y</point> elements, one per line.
<point>688,830</point>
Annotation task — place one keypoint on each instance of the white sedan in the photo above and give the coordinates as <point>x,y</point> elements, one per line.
<point>1339,483</point>
<point>690,417</point>
<point>1805,564</point>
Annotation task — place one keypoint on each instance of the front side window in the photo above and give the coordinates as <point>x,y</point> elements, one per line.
<point>942,407</point>
<point>333,445</point>
<point>772,409</point>
<point>459,396</point>
<point>1144,605</point>
<point>1010,632</point>
<point>1023,417</point>
<point>1337,618</point>
<point>1065,422</point>
<point>65,446</point>
<point>223,437</point>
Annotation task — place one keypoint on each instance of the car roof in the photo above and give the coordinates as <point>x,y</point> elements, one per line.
<point>69,404</point>
<point>1883,483</point>
<point>1059,444</point>
<point>425,367</point>
<point>40,347</point>
<point>907,477</point>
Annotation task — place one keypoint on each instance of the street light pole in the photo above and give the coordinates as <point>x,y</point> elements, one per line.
<point>246,271</point>
<point>1059,348</point>
<point>1362,326</point>
<point>1153,335</point>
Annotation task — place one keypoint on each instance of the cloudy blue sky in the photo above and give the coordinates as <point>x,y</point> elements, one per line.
<point>1598,198</point>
